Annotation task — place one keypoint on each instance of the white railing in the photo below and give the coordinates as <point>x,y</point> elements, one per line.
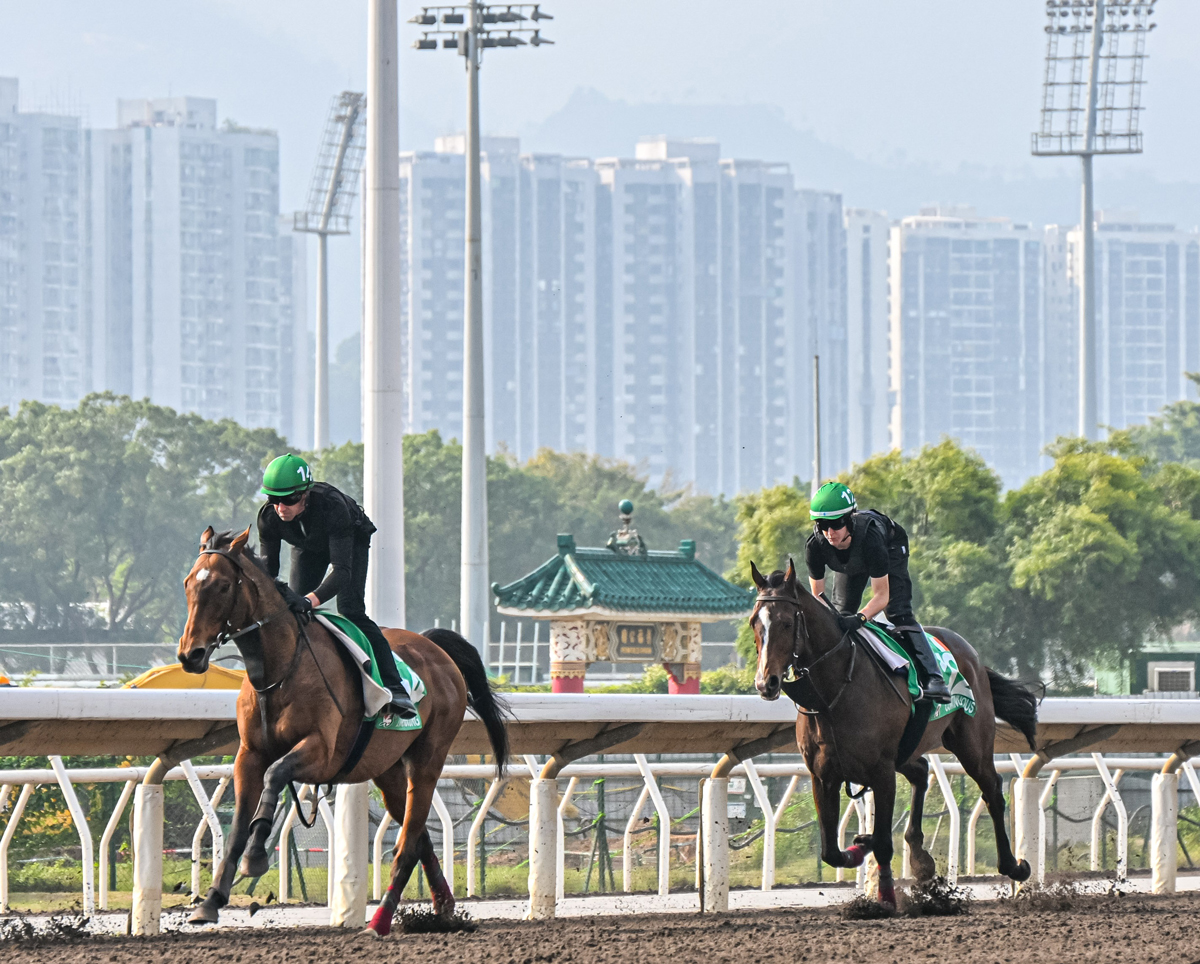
<point>1109,769</point>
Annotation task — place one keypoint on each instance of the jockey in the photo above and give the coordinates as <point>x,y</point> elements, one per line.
<point>865,544</point>
<point>330,536</point>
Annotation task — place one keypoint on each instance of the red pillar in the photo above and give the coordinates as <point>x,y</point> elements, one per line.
<point>567,684</point>
<point>689,685</point>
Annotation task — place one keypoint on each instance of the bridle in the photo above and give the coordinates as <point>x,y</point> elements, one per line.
<point>228,637</point>
<point>804,690</point>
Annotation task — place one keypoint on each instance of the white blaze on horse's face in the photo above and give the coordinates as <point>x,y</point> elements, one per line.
<point>202,575</point>
<point>764,619</point>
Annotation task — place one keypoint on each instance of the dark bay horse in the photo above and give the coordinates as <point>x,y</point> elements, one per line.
<point>300,711</point>
<point>855,734</point>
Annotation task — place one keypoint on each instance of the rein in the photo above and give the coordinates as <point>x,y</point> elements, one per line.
<point>802,675</point>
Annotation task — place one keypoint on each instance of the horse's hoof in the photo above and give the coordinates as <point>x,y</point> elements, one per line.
<point>1020,873</point>
<point>255,865</point>
<point>205,913</point>
<point>855,855</point>
<point>381,923</point>
<point>370,932</point>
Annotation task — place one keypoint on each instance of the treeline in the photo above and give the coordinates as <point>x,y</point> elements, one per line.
<point>101,507</point>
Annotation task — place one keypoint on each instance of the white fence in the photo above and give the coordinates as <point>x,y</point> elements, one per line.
<point>1110,769</point>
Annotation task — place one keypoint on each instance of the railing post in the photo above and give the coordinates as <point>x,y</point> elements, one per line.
<point>560,849</point>
<point>1164,831</point>
<point>443,813</point>
<point>1043,802</point>
<point>627,843</point>
<point>951,802</point>
<point>348,906</point>
<point>110,828</point>
<point>13,819</point>
<point>664,825</point>
<point>715,825</point>
<point>972,827</point>
<point>764,804</point>
<point>1026,803</point>
<point>147,859</point>
<point>473,835</point>
<point>543,840</point>
<point>377,854</point>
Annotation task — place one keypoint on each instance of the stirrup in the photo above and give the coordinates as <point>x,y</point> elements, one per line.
<point>934,693</point>
<point>402,706</point>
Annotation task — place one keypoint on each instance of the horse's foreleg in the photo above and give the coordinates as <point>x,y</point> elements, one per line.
<point>884,787</point>
<point>414,844</point>
<point>247,782</point>
<point>826,795</point>
<point>916,771</point>
<point>308,757</point>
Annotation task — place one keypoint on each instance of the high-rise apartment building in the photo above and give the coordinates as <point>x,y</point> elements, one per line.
<point>967,324</point>
<point>867,333</point>
<point>43,338</point>
<point>1147,315</point>
<point>662,309</point>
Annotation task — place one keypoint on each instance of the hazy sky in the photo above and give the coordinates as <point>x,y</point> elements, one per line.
<point>949,83</point>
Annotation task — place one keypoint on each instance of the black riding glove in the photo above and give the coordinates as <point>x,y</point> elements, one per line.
<point>300,605</point>
<point>851,623</point>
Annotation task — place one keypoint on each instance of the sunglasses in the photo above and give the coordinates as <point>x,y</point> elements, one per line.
<point>826,525</point>
<point>292,499</point>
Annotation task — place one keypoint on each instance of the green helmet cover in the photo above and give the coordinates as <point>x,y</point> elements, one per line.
<point>286,475</point>
<point>832,501</point>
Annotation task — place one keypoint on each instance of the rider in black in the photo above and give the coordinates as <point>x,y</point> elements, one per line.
<point>862,545</point>
<point>330,536</point>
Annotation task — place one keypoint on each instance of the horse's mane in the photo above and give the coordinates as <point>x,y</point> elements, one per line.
<point>222,540</point>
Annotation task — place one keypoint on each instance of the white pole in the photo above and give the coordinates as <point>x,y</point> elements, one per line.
<point>443,813</point>
<point>948,797</point>
<point>473,834</point>
<point>664,825</point>
<point>543,845</point>
<point>285,855</point>
<point>627,844</point>
<point>473,611</point>
<point>377,855</point>
<point>1114,796</point>
<point>560,863</point>
<point>321,386</point>
<point>764,804</point>
<point>110,828</point>
<point>14,818</point>
<point>383,383</point>
<point>1088,409</point>
<point>1043,802</point>
<point>79,818</point>
<point>147,859</point>
<point>348,907</point>
<point>715,822</point>
<point>1164,830</point>
<point>972,827</point>
<point>816,480</point>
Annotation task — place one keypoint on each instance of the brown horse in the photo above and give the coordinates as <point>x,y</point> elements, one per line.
<point>300,711</point>
<point>853,732</point>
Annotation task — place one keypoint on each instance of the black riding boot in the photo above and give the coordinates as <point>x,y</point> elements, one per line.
<point>935,687</point>
<point>401,704</point>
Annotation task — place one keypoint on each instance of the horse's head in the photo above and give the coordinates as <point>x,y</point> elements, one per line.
<point>217,596</point>
<point>775,623</point>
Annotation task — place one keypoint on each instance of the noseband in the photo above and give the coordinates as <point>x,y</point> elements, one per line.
<point>802,690</point>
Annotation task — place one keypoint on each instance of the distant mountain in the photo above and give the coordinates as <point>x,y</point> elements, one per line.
<point>592,125</point>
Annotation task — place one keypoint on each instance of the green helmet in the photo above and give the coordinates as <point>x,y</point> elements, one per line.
<point>286,475</point>
<point>832,501</point>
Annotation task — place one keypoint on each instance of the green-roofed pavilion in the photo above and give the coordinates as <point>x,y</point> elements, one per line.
<point>623,603</point>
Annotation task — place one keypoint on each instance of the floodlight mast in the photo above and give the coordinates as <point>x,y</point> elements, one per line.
<point>487,25</point>
<point>1108,127</point>
<point>335,179</point>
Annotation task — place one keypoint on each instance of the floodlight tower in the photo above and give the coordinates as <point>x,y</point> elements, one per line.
<point>1090,112</point>
<point>334,182</point>
<point>469,29</point>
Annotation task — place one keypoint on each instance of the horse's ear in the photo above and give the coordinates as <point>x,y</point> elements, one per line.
<point>240,540</point>
<point>206,537</point>
<point>759,579</point>
<point>789,577</point>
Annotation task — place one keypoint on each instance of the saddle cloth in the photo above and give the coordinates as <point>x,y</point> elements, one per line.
<point>376,696</point>
<point>895,657</point>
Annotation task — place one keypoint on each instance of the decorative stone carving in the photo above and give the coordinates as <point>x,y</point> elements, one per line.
<point>598,636</point>
<point>568,641</point>
<point>693,645</point>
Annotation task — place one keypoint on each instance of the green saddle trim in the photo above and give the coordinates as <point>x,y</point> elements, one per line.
<point>961,695</point>
<point>384,720</point>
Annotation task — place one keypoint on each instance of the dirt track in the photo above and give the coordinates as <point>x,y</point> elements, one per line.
<point>1108,929</point>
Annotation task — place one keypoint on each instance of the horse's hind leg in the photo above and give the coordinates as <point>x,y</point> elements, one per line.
<point>248,785</point>
<point>414,843</point>
<point>981,768</point>
<point>916,772</point>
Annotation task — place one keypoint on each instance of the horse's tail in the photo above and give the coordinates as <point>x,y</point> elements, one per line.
<point>1014,704</point>
<point>480,697</point>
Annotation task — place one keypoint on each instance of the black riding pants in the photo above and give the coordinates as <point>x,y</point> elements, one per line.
<point>308,569</point>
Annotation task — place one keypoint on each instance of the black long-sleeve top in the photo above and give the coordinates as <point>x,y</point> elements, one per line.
<point>326,528</point>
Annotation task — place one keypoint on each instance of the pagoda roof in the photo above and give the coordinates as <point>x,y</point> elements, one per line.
<point>581,580</point>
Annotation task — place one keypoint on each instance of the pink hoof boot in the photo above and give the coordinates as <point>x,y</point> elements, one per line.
<point>381,923</point>
<point>856,854</point>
